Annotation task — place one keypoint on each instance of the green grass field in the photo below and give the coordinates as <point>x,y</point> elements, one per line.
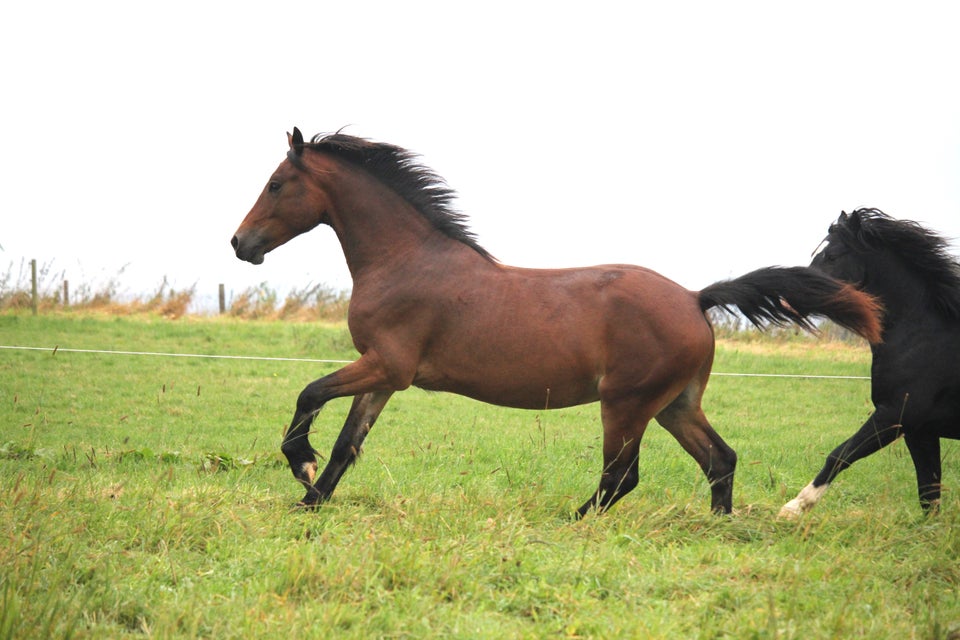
<point>146,495</point>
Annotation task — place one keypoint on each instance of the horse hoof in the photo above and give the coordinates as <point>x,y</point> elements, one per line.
<point>790,511</point>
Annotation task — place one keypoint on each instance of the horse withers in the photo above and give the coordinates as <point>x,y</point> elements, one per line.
<point>431,308</point>
<point>915,373</point>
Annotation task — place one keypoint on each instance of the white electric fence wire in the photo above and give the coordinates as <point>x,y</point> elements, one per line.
<point>55,350</point>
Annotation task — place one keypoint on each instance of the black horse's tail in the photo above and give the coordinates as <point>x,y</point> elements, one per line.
<point>780,295</point>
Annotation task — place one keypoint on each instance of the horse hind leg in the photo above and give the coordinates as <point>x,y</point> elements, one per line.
<point>621,474</point>
<point>685,421</point>
<point>925,452</point>
<point>623,428</point>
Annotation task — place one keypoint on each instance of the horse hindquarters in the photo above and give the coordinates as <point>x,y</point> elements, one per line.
<point>668,386</point>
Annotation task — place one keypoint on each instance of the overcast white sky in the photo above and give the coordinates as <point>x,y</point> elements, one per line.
<point>701,139</point>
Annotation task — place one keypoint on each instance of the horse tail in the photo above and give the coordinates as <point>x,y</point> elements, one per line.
<point>781,295</point>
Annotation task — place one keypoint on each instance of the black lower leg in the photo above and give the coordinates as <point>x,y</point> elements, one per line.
<point>925,452</point>
<point>300,455</point>
<point>363,414</point>
<point>720,474</point>
<point>616,482</point>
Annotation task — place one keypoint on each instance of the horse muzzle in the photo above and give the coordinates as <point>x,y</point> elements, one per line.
<point>246,250</point>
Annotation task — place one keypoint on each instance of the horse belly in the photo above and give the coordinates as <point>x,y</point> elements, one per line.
<point>504,373</point>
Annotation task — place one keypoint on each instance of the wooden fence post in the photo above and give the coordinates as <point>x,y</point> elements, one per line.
<point>66,293</point>
<point>223,299</point>
<point>34,303</point>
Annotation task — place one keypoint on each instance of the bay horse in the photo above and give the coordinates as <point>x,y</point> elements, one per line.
<point>915,371</point>
<point>431,308</point>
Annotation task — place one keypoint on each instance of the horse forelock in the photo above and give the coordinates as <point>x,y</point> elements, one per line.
<point>926,252</point>
<point>402,171</point>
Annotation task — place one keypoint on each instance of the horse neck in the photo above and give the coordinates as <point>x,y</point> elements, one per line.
<point>904,293</point>
<point>377,228</point>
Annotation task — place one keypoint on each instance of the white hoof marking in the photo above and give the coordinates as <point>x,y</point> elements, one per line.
<point>804,501</point>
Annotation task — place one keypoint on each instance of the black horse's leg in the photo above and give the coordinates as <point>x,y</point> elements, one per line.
<point>880,429</point>
<point>363,414</point>
<point>925,451</point>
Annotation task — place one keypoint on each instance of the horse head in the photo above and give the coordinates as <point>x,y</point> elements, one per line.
<point>837,255</point>
<point>290,204</point>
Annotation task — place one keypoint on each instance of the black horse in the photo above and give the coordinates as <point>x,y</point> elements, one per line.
<point>916,368</point>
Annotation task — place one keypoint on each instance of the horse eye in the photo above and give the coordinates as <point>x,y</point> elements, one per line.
<point>273,187</point>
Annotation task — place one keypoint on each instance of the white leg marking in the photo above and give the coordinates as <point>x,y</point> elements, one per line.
<point>310,469</point>
<point>804,501</point>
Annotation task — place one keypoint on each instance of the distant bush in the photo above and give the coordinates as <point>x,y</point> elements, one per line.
<point>313,302</point>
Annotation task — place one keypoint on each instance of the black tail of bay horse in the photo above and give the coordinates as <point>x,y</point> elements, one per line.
<point>915,374</point>
<point>431,308</point>
<point>762,296</point>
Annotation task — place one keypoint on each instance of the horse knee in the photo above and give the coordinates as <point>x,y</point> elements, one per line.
<point>309,402</point>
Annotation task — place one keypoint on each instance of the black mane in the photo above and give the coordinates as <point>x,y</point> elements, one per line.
<point>400,170</point>
<point>924,251</point>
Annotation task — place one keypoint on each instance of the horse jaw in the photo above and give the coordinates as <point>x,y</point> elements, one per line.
<point>256,258</point>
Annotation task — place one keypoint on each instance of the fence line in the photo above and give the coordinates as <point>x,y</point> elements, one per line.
<point>57,349</point>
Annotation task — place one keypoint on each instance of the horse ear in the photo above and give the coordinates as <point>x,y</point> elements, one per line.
<point>854,220</point>
<point>295,141</point>
<point>842,218</point>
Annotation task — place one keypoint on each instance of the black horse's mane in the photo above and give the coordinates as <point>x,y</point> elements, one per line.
<point>401,170</point>
<point>926,252</point>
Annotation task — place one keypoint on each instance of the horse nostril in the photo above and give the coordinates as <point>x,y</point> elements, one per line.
<point>234,243</point>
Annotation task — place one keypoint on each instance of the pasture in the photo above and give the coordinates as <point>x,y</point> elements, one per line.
<point>146,495</point>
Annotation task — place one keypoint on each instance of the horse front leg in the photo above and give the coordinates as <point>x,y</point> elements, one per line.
<point>363,379</point>
<point>363,414</point>
<point>296,446</point>
<point>880,429</point>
